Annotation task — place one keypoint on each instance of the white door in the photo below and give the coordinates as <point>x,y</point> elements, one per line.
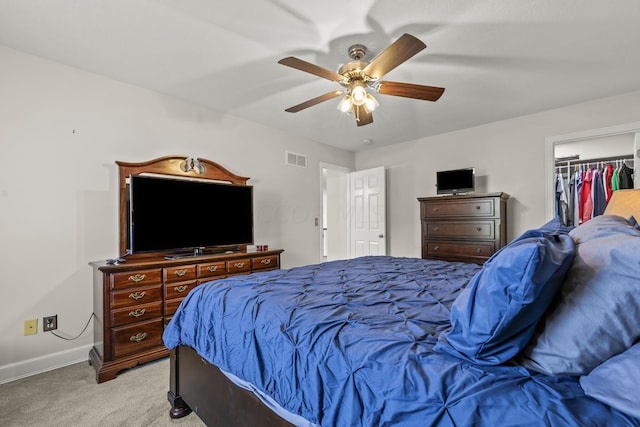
<point>368,229</point>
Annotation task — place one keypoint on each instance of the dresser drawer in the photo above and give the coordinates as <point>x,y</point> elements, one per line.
<point>264,262</point>
<point>460,229</point>
<point>458,208</point>
<point>436,249</point>
<point>171,306</point>
<point>136,278</point>
<point>137,313</point>
<point>239,265</point>
<point>178,290</point>
<point>136,338</point>
<point>211,269</point>
<point>136,296</point>
<point>182,273</point>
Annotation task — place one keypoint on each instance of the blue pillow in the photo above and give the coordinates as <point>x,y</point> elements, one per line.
<point>615,382</point>
<point>596,313</point>
<point>496,315</point>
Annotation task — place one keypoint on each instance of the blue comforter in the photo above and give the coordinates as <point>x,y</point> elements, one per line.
<point>350,343</point>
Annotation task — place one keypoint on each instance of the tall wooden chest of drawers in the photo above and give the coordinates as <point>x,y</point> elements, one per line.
<point>467,228</point>
<point>134,301</point>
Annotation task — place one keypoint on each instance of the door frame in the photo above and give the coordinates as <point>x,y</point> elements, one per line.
<point>320,219</point>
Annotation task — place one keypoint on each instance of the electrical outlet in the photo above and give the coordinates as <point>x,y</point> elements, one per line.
<point>30,327</point>
<point>50,323</point>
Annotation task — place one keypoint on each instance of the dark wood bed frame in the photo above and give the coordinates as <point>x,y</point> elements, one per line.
<point>198,386</point>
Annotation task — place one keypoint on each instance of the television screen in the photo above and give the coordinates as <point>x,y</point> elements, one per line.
<point>170,214</point>
<point>455,181</point>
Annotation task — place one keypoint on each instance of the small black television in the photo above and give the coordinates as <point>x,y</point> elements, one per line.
<point>167,214</point>
<point>456,181</point>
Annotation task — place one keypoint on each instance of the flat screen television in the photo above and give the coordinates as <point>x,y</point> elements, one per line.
<point>167,214</point>
<point>456,181</point>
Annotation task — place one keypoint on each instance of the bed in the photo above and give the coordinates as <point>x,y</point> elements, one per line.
<point>546,333</point>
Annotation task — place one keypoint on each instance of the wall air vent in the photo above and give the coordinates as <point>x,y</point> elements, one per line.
<point>294,159</point>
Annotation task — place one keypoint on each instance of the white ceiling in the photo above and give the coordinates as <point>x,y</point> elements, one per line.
<point>497,59</point>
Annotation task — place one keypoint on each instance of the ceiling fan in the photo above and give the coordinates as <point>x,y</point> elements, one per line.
<point>356,76</point>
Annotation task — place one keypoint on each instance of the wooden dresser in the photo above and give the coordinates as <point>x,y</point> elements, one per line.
<point>134,301</point>
<point>467,228</point>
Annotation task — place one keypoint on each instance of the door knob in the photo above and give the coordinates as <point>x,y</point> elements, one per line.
<point>380,236</point>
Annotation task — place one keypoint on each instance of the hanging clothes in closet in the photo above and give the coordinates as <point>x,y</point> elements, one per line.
<point>586,201</point>
<point>598,192</point>
<point>562,198</point>
<point>577,207</point>
<point>625,177</point>
<point>584,193</point>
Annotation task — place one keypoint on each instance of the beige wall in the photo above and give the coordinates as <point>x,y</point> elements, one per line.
<point>509,156</point>
<point>62,130</point>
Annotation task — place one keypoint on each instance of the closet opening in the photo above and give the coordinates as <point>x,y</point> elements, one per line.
<point>583,169</point>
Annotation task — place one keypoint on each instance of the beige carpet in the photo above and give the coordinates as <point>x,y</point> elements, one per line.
<point>70,396</point>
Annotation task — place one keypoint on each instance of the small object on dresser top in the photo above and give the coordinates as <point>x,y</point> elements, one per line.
<point>112,261</point>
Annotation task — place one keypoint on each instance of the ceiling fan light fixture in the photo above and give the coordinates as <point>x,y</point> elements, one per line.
<point>345,105</point>
<point>358,94</point>
<point>370,103</point>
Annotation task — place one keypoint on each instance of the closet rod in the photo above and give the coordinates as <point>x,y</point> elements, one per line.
<point>626,157</point>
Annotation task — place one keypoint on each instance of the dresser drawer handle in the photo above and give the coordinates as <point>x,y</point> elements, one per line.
<point>180,273</point>
<point>139,337</point>
<point>138,313</point>
<point>181,288</point>
<point>212,268</point>
<point>137,295</point>
<point>477,207</point>
<point>435,248</point>
<point>478,228</point>
<point>436,209</point>
<point>436,228</point>
<point>266,261</point>
<point>238,264</point>
<point>479,251</point>
<point>137,278</point>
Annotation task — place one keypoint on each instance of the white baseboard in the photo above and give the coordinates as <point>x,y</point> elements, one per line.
<point>27,368</point>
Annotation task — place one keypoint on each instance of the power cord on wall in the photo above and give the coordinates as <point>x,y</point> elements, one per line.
<point>79,335</point>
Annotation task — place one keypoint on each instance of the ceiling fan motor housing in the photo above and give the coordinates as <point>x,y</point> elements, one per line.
<point>352,71</point>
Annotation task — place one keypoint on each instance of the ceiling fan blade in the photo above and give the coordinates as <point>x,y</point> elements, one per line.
<point>363,117</point>
<point>409,90</point>
<point>398,52</point>
<point>308,67</point>
<point>314,101</point>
